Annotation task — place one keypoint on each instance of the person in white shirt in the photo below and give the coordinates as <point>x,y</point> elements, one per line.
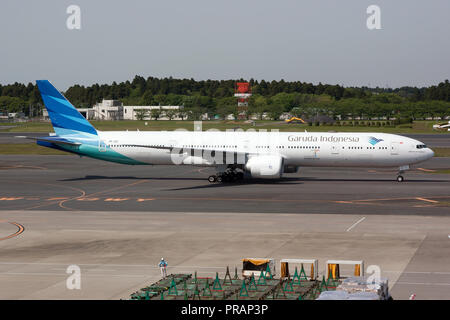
<point>163,266</point>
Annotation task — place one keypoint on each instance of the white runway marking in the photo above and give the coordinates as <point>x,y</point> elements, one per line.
<point>355,224</point>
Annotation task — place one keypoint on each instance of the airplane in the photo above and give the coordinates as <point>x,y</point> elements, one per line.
<point>234,154</point>
<point>442,126</point>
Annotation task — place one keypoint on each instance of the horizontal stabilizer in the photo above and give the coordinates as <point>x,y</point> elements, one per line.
<point>56,140</point>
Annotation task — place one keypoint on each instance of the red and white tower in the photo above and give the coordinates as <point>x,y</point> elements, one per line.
<point>243,92</point>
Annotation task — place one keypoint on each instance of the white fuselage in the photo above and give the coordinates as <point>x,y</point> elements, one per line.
<point>296,148</point>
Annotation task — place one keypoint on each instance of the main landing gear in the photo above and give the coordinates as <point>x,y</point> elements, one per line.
<point>227,176</point>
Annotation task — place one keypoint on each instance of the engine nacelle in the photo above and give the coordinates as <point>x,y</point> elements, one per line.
<point>266,167</point>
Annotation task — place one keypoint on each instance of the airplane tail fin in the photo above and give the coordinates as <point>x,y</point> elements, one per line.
<point>63,115</point>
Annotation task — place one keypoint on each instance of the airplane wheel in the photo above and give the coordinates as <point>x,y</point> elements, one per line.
<point>400,179</point>
<point>212,179</point>
<point>219,179</point>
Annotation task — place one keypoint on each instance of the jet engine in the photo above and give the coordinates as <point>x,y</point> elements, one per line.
<point>266,167</point>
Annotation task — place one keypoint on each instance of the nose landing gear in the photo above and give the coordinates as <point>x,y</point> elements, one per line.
<point>401,171</point>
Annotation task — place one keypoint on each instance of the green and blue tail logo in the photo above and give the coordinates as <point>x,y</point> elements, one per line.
<point>373,141</point>
<point>73,132</point>
<point>66,120</point>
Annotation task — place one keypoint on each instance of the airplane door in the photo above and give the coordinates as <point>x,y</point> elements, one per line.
<point>241,158</point>
<point>101,146</point>
<point>246,145</point>
<point>176,148</point>
<point>335,148</point>
<point>177,153</point>
<point>394,148</point>
<point>173,143</point>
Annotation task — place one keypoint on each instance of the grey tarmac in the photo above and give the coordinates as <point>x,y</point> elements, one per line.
<point>116,222</point>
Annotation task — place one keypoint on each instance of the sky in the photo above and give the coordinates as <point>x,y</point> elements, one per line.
<point>313,41</point>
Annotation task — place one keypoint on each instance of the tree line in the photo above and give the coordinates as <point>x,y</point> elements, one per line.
<point>273,98</point>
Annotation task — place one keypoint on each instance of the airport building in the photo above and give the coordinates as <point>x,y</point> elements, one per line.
<point>134,112</point>
<point>106,110</point>
<point>115,110</point>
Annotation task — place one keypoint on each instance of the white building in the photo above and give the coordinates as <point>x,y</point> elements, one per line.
<point>88,113</point>
<point>115,110</point>
<point>132,112</point>
<point>108,110</point>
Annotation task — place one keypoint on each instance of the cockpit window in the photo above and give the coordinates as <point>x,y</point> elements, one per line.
<point>421,146</point>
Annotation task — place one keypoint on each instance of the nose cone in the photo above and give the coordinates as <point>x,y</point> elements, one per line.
<point>430,153</point>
